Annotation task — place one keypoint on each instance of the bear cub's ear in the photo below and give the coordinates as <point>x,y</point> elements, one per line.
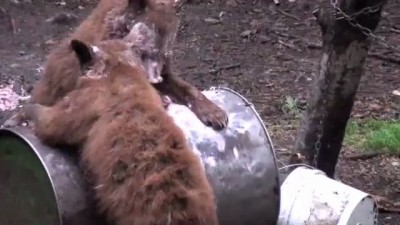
<point>83,51</point>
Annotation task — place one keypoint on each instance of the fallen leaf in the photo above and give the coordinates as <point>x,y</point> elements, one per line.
<point>62,3</point>
<point>247,33</point>
<point>375,106</point>
<point>62,18</point>
<point>255,24</point>
<point>212,20</point>
<point>395,163</point>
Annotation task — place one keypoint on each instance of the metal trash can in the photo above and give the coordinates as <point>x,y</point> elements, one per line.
<point>41,185</point>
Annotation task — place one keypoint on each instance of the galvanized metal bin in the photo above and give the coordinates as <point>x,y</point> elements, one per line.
<point>41,185</point>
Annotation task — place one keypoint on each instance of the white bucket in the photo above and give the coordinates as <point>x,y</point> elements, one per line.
<point>309,197</point>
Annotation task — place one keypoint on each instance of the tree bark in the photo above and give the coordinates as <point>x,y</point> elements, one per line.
<point>345,48</point>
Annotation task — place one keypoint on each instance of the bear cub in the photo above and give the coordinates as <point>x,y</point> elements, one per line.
<point>141,168</point>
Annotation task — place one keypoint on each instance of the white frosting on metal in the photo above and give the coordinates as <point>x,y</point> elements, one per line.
<point>244,130</point>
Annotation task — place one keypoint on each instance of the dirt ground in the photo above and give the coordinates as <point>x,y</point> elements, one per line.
<point>263,51</point>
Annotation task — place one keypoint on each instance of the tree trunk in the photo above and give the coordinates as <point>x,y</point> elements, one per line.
<point>345,49</point>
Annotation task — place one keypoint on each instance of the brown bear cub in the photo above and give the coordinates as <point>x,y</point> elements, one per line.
<point>62,68</point>
<point>143,171</point>
<point>109,21</point>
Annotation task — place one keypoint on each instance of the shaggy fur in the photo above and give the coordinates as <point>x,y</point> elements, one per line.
<point>142,169</point>
<point>107,21</point>
<point>62,67</point>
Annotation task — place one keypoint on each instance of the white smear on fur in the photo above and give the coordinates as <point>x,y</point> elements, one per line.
<point>95,49</point>
<point>9,100</point>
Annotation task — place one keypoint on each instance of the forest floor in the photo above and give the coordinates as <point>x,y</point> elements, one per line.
<point>268,53</point>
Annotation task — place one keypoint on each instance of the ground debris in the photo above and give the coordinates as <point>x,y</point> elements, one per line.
<point>9,99</point>
<point>62,18</point>
<point>212,20</point>
<point>385,205</point>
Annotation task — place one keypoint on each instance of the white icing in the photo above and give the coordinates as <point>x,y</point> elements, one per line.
<point>199,135</point>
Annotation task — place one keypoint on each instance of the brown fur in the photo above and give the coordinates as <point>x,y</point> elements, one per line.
<point>106,21</point>
<point>62,68</point>
<point>142,168</point>
<point>163,14</point>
